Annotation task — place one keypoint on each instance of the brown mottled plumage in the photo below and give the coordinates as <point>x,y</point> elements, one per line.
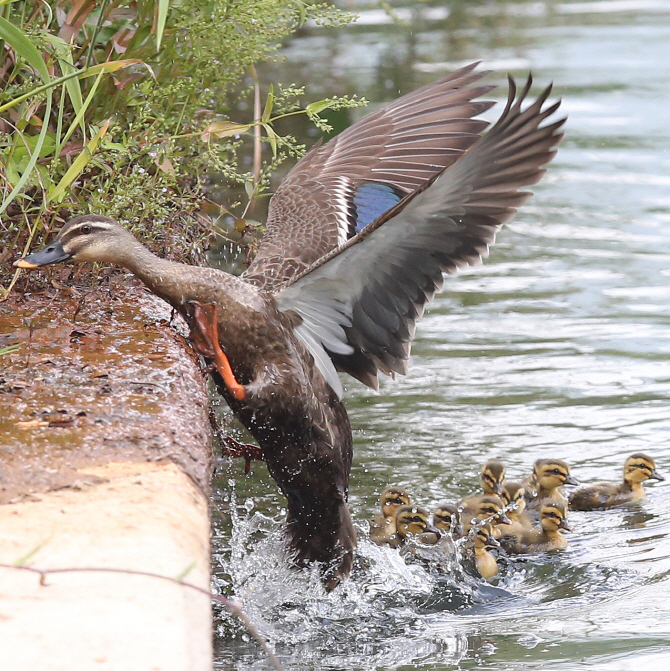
<point>358,237</point>
<point>638,468</point>
<point>447,518</point>
<point>514,493</point>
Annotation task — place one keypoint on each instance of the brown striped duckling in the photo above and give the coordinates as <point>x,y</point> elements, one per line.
<point>448,520</point>
<point>548,536</point>
<point>486,564</point>
<point>514,493</point>
<point>382,526</point>
<point>638,468</point>
<point>412,522</point>
<point>488,508</point>
<point>550,475</point>
<point>492,477</point>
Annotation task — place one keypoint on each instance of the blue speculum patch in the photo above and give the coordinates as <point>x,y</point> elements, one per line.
<point>372,200</point>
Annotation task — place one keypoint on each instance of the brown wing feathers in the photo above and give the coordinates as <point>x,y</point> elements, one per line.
<point>379,281</point>
<point>402,145</point>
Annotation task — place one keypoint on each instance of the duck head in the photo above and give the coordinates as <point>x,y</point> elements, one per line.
<point>493,475</point>
<point>553,473</point>
<point>392,498</point>
<point>491,508</point>
<point>553,516</point>
<point>446,518</point>
<point>514,493</point>
<point>640,467</point>
<point>412,520</point>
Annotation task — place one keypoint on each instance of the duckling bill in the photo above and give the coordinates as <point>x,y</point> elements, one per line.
<point>357,240</point>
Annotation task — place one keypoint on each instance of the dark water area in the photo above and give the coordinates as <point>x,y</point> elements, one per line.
<point>557,346</point>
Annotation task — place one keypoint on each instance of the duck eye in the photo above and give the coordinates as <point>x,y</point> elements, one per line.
<point>86,229</point>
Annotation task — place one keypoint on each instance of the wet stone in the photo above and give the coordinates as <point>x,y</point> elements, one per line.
<point>97,377</point>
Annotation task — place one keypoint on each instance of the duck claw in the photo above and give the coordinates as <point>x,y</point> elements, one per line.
<point>206,342</point>
<point>234,448</point>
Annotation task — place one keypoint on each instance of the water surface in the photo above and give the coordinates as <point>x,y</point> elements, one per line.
<point>557,346</point>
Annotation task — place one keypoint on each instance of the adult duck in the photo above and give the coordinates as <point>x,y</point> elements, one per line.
<point>358,236</point>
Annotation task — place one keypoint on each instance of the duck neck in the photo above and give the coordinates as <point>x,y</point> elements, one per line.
<point>634,487</point>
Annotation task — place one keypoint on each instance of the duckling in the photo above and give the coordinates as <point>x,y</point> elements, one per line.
<point>492,476</point>
<point>412,522</point>
<point>486,508</point>
<point>638,468</point>
<point>486,564</point>
<point>550,476</point>
<point>382,527</point>
<point>514,492</point>
<point>547,537</point>
<point>447,518</point>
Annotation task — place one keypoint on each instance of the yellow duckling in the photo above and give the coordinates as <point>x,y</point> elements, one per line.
<point>382,527</point>
<point>514,493</point>
<point>486,564</point>
<point>638,468</point>
<point>447,519</point>
<point>548,536</point>
<point>550,475</point>
<point>492,477</point>
<point>412,522</point>
<point>489,508</point>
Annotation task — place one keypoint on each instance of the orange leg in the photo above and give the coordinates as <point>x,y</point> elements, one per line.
<point>234,448</point>
<point>209,328</point>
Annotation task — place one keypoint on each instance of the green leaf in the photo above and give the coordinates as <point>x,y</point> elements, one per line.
<point>77,167</point>
<point>163,6</point>
<point>18,40</point>
<point>273,138</point>
<point>269,104</point>
<point>318,106</point>
<point>219,129</point>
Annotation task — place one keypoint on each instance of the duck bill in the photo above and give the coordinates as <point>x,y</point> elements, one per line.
<point>497,488</point>
<point>569,480</point>
<point>654,475</point>
<point>492,542</point>
<point>503,519</point>
<point>52,253</point>
<point>564,525</point>
<point>457,530</point>
<point>433,530</point>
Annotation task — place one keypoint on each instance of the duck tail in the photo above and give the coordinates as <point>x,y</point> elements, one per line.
<point>329,540</point>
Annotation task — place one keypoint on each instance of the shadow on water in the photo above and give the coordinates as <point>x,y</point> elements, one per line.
<point>557,346</point>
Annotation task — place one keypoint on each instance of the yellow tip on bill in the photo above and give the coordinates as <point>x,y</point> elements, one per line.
<point>22,263</point>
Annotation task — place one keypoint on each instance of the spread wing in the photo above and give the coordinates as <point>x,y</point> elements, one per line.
<point>358,305</point>
<point>338,188</point>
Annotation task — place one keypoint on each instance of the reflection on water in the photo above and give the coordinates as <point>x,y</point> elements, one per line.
<point>557,346</point>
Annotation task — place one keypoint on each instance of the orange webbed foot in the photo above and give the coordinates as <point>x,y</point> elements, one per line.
<point>234,448</point>
<point>206,340</point>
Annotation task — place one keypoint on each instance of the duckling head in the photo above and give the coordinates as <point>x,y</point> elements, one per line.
<point>553,516</point>
<point>485,537</point>
<point>553,473</point>
<point>493,474</point>
<point>491,508</point>
<point>392,498</point>
<point>640,467</point>
<point>412,520</point>
<point>515,493</point>
<point>446,518</point>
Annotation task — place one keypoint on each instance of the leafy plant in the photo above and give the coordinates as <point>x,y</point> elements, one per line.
<point>124,108</point>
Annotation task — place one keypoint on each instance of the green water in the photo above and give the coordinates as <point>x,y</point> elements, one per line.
<point>557,346</point>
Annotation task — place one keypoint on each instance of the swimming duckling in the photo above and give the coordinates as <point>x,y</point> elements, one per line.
<point>485,562</point>
<point>412,522</point>
<point>547,536</point>
<point>514,493</point>
<point>382,527</point>
<point>492,477</point>
<point>486,508</point>
<point>447,519</point>
<point>638,468</point>
<point>550,476</point>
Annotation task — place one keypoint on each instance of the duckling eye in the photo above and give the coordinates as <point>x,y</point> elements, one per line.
<point>86,229</point>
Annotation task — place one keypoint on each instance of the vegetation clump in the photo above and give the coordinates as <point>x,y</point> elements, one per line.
<point>125,108</point>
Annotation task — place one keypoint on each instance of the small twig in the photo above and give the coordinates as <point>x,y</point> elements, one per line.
<point>230,605</point>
